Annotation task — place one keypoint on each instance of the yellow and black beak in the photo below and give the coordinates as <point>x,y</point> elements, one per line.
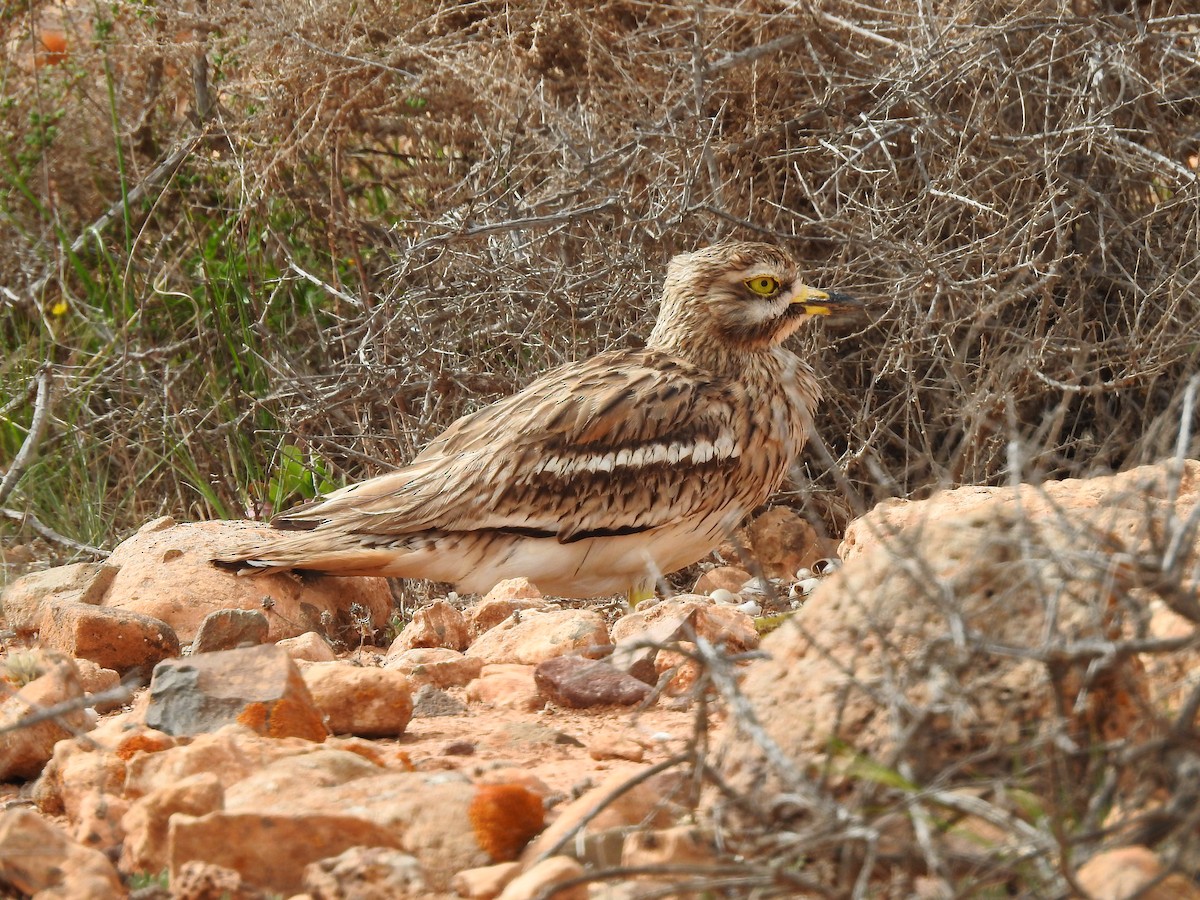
<point>826,303</point>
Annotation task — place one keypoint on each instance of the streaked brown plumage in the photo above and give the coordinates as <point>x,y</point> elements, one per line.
<point>602,474</point>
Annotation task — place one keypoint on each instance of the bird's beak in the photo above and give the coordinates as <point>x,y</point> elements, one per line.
<point>825,303</point>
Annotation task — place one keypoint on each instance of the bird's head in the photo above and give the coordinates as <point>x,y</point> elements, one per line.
<point>738,296</point>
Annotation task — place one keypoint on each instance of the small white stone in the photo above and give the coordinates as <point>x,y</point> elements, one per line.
<point>807,586</point>
<point>802,573</point>
<point>720,595</point>
<point>750,608</point>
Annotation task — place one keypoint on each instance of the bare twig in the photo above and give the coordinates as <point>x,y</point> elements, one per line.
<point>37,427</point>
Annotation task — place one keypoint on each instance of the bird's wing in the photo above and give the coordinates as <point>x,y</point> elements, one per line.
<point>622,443</point>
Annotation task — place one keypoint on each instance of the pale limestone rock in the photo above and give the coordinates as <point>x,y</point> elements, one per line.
<point>368,702</point>
<point>166,572</point>
<point>507,597</point>
<point>555,870</point>
<point>722,626</point>
<point>782,541</point>
<point>307,647</point>
<point>228,629</point>
<point>485,882</point>
<point>532,637</point>
<point>25,750</point>
<point>437,625</point>
<point>113,638</point>
<point>1127,872</point>
<point>728,578</point>
<point>509,686</point>
<point>147,819</point>
<point>232,753</point>
<point>365,873</point>
<point>435,666</point>
<point>889,616</point>
<point>259,687</point>
<point>38,858</point>
<point>26,600</point>
<point>203,881</point>
<point>616,746</point>
<point>651,803</point>
<point>95,679</point>
<point>681,666</point>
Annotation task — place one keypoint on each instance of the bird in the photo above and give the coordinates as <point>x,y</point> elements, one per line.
<point>600,476</point>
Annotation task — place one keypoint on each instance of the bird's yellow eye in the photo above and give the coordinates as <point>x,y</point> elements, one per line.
<point>763,285</point>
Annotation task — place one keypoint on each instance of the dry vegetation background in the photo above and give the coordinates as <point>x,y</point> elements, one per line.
<point>325,229</point>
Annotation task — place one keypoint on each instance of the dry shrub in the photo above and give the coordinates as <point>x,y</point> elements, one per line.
<point>416,208</point>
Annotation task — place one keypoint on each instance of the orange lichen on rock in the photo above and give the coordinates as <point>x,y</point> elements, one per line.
<point>146,741</point>
<point>505,818</point>
<point>282,718</point>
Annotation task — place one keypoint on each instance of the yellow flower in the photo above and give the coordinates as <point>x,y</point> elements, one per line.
<point>59,309</point>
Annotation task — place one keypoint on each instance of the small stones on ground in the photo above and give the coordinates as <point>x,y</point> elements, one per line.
<point>536,636</point>
<point>430,703</point>
<point>37,856</point>
<point>365,873</point>
<point>438,666</point>
<point>436,625</point>
<point>727,578</point>
<point>228,629</point>
<point>259,687</point>
<point>44,681</point>
<point>506,685</point>
<point>580,683</point>
<point>113,638</point>
<point>368,702</point>
<point>458,748</point>
<point>308,647</point>
<point>616,747</point>
<point>536,881</point>
<point>485,882</point>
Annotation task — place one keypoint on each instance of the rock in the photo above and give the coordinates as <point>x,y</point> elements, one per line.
<point>722,626</point>
<point>228,629</point>
<point>513,595</point>
<point>259,687</point>
<point>146,822</point>
<point>98,822</point>
<point>1128,872</point>
<point>250,843</point>
<point>509,686</point>
<point>25,601</point>
<point>635,653</point>
<point>430,702</point>
<point>436,666</point>
<point>204,881</point>
<point>232,753</point>
<point>365,873</point>
<point>535,734</point>
<point>165,572</point>
<point>535,881</point>
<point>369,702</point>
<point>579,683</point>
<point>1116,504</point>
<point>43,680</point>
<point>485,882</point>
<point>533,637</point>
<point>437,625</point>
<point>309,647</point>
<point>425,815</point>
<point>38,858</point>
<point>611,746</point>
<point>647,804</point>
<point>726,578</point>
<point>994,578</point>
<point>679,845</point>
<point>113,638</point>
<point>681,667</point>
<point>97,680</point>
<point>782,542</point>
